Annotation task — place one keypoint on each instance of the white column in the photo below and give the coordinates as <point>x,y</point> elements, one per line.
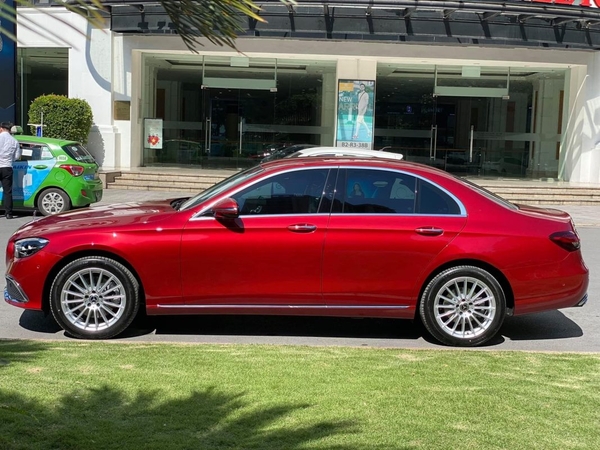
<point>580,148</point>
<point>545,161</point>
<point>90,78</point>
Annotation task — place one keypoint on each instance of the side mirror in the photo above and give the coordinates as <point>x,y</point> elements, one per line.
<point>226,209</point>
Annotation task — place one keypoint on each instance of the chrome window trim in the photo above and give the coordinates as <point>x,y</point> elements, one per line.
<point>399,215</point>
<point>295,169</point>
<point>462,213</point>
<point>463,210</point>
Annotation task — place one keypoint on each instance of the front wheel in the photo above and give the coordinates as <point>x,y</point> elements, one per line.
<point>463,306</point>
<point>53,201</point>
<point>94,298</point>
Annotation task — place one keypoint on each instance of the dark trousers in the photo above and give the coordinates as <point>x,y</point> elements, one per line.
<point>6,177</point>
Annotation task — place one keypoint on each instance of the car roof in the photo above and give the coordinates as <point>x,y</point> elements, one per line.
<point>43,140</point>
<point>356,161</point>
<point>315,151</point>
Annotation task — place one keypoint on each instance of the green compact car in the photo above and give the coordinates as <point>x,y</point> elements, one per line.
<point>54,175</point>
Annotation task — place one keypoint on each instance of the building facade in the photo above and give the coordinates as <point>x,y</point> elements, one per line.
<point>480,88</point>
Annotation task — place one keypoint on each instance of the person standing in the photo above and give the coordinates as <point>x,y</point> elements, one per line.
<point>9,152</point>
<point>363,104</point>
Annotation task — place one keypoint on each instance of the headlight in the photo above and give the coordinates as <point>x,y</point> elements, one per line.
<point>29,246</point>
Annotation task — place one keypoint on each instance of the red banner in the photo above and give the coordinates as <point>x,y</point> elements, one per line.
<point>588,3</point>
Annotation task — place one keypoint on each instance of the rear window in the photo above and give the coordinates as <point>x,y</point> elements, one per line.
<point>78,153</point>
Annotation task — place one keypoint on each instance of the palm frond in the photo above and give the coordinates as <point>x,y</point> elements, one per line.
<point>218,21</point>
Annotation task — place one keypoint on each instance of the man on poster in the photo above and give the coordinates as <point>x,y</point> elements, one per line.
<point>363,105</point>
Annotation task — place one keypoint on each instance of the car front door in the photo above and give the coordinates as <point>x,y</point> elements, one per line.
<point>385,230</point>
<point>270,255</point>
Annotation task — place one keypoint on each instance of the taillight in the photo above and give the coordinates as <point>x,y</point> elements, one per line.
<point>76,171</point>
<point>566,239</point>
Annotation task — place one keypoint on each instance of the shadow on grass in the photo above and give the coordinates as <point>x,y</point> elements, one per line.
<point>14,351</point>
<point>107,418</point>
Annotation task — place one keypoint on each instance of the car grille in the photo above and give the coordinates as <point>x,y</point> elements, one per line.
<point>13,292</point>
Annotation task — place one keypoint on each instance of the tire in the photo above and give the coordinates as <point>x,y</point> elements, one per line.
<point>463,306</point>
<point>94,298</point>
<point>53,201</point>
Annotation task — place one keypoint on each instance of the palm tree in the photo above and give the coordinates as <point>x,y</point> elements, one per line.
<point>217,20</point>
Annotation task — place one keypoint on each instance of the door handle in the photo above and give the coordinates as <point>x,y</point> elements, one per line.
<point>40,166</point>
<point>302,228</point>
<point>429,231</point>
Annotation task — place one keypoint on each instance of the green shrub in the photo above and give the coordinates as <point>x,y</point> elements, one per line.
<point>64,118</point>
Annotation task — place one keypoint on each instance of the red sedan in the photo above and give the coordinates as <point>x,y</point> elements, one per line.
<point>368,238</point>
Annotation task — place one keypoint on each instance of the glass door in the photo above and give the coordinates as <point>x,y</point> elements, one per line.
<point>238,126</point>
<point>476,137</point>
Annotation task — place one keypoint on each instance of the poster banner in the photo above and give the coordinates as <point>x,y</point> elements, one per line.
<point>355,122</point>
<point>8,66</point>
<point>153,133</point>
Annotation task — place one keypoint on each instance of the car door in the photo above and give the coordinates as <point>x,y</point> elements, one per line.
<point>270,255</point>
<point>30,171</point>
<point>385,230</point>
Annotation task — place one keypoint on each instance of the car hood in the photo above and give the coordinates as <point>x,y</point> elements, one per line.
<point>110,216</point>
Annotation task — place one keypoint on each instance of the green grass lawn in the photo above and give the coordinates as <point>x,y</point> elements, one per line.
<point>81,395</point>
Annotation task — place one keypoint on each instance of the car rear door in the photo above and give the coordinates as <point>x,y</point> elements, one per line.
<point>270,255</point>
<point>31,170</point>
<point>381,243</point>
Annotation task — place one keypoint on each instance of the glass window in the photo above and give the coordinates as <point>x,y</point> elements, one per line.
<point>369,191</point>
<point>221,186</point>
<point>297,192</point>
<point>34,152</point>
<point>78,153</point>
<point>432,200</point>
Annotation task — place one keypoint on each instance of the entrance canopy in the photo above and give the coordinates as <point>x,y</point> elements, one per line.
<point>533,23</point>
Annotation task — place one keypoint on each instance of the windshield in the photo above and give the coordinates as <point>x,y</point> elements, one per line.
<point>234,180</point>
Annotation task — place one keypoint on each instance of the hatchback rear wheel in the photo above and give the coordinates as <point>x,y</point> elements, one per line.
<point>463,306</point>
<point>94,298</point>
<point>53,201</point>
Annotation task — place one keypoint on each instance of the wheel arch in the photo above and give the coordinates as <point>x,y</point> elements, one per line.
<point>495,272</point>
<point>82,254</point>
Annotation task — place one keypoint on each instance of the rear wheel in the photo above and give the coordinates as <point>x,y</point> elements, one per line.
<point>94,298</point>
<point>463,306</point>
<point>53,201</point>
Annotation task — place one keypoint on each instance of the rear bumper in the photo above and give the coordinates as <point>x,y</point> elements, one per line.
<point>86,192</point>
<point>551,286</point>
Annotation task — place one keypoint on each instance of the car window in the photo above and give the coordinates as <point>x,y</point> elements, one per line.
<point>34,152</point>
<point>296,192</point>
<point>219,187</point>
<point>78,153</point>
<point>432,200</point>
<point>372,191</point>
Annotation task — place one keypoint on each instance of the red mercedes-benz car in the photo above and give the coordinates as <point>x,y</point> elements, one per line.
<point>368,238</point>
